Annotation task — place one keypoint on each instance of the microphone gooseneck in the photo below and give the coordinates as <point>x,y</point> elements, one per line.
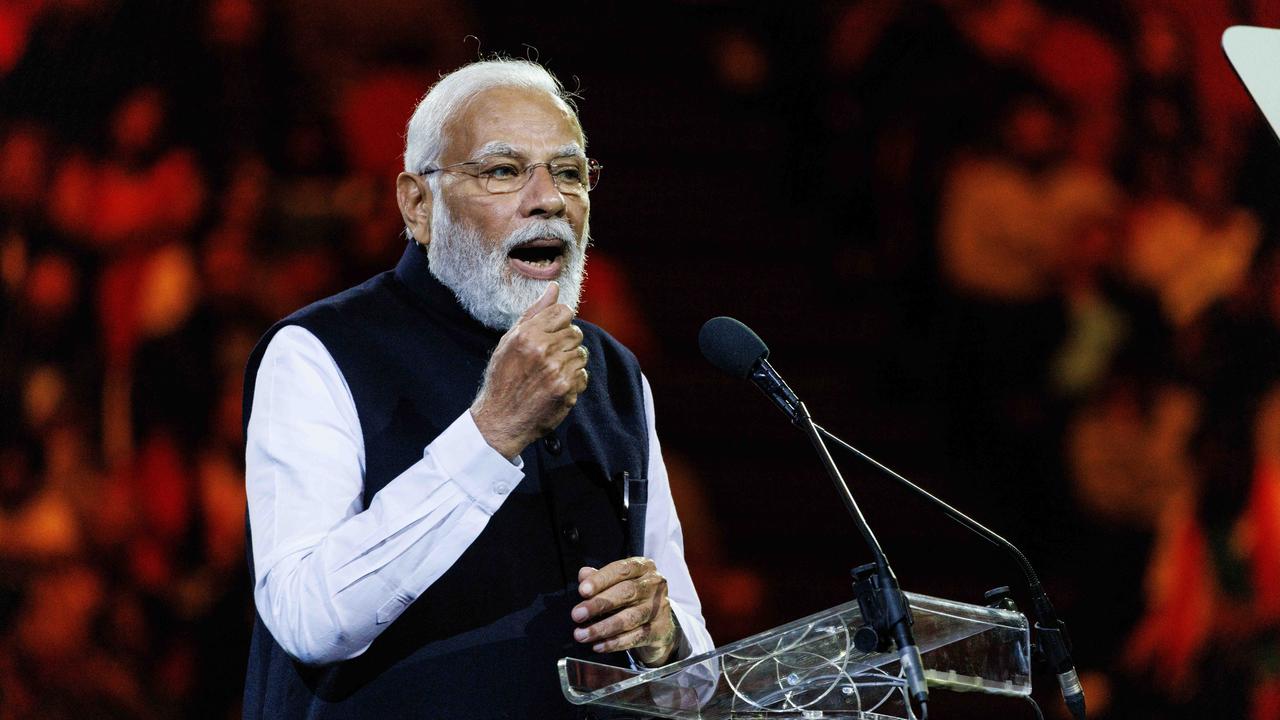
<point>733,348</point>
<point>1051,631</point>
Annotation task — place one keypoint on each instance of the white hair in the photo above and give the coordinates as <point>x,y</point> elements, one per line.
<point>472,266</point>
<point>424,137</point>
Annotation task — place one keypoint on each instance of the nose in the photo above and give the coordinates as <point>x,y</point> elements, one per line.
<point>540,196</point>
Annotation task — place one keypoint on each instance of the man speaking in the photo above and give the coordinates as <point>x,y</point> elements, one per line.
<point>437,460</point>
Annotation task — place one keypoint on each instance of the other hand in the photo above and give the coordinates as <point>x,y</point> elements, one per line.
<point>628,601</point>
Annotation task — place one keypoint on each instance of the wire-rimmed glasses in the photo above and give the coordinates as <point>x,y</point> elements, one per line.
<point>506,174</point>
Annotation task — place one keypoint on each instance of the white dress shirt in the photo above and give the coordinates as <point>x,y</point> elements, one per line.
<point>330,576</point>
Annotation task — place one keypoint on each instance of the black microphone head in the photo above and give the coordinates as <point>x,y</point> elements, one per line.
<point>731,346</point>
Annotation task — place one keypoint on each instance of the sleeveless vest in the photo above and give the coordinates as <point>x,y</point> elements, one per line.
<point>483,640</point>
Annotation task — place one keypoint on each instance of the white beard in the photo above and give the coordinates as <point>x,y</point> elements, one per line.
<point>480,276</point>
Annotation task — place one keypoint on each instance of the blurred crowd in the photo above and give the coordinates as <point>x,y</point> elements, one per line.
<point>1102,236</point>
<point>1065,208</point>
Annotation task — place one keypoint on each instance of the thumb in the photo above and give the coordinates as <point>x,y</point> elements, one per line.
<point>549,297</point>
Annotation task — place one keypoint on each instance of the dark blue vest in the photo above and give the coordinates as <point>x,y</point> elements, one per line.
<point>484,639</point>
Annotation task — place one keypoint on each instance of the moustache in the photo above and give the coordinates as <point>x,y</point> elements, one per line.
<point>557,228</point>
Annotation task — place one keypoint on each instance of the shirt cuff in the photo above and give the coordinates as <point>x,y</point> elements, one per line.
<point>685,647</point>
<point>468,460</point>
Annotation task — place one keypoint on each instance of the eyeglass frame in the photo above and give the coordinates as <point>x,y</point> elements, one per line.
<point>594,168</point>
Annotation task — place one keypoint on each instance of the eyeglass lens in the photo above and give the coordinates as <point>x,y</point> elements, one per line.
<point>504,175</point>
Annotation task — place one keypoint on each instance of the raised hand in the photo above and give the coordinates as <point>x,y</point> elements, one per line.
<point>534,376</point>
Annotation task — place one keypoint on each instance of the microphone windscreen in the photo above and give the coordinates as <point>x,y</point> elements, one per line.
<point>731,346</point>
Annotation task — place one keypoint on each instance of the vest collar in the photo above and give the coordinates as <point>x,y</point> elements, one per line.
<point>414,273</point>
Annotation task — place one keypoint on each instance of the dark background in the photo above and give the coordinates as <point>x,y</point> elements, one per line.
<point>1022,252</point>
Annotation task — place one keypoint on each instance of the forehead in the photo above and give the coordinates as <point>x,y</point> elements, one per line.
<point>530,120</point>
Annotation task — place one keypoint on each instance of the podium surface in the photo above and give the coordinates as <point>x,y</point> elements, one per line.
<point>810,668</point>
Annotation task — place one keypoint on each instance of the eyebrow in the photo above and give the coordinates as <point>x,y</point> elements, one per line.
<point>498,147</point>
<point>506,149</point>
<point>573,149</point>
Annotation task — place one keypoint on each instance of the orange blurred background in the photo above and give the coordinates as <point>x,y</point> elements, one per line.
<point>1024,251</point>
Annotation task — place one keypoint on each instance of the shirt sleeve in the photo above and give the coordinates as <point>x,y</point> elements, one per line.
<point>330,575</point>
<point>664,542</point>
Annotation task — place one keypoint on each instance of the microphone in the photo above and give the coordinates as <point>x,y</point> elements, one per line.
<point>733,348</point>
<point>736,350</point>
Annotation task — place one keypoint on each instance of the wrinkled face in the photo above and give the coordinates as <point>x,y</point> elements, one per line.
<point>498,251</point>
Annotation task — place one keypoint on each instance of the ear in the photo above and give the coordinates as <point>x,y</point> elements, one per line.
<point>413,195</point>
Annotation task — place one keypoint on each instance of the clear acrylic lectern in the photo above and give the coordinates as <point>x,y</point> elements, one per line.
<point>810,668</point>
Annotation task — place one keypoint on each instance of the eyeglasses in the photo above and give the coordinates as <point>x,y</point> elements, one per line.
<point>505,174</point>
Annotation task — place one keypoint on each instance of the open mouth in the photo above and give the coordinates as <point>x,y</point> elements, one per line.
<point>539,259</point>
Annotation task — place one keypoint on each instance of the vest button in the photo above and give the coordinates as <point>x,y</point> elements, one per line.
<point>552,444</point>
<point>571,533</point>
